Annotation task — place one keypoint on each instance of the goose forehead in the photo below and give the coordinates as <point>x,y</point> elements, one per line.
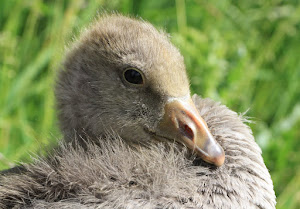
<point>161,63</point>
<point>162,66</point>
<point>169,81</point>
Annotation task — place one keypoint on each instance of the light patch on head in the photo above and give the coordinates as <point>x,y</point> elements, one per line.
<point>183,98</point>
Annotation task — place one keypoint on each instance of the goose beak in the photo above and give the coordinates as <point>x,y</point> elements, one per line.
<point>182,122</point>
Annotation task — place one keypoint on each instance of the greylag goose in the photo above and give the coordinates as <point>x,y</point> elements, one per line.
<point>134,137</point>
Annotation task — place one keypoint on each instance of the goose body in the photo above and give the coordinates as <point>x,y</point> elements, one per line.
<point>122,87</point>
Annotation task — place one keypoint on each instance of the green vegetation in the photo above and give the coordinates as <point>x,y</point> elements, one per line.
<point>242,53</point>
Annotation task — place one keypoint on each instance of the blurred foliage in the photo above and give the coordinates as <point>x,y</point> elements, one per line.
<point>242,53</point>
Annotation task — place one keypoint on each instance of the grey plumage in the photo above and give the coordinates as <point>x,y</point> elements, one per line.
<point>121,165</point>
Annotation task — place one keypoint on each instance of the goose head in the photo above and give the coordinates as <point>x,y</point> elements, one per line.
<point>125,76</point>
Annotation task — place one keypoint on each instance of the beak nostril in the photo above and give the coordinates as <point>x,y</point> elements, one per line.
<point>186,131</point>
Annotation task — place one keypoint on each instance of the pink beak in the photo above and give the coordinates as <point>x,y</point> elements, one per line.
<point>182,122</point>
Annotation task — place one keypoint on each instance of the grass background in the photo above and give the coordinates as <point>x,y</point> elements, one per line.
<point>245,54</point>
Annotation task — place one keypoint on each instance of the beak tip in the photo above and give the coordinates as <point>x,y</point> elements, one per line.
<point>219,159</point>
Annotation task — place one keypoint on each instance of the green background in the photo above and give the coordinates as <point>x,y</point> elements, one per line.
<point>245,54</point>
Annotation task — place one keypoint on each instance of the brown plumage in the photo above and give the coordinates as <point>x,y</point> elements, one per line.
<point>126,149</point>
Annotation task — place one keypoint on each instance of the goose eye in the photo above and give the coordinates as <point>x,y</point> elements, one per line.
<point>133,76</point>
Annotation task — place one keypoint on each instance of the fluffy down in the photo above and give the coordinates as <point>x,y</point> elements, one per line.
<point>114,174</point>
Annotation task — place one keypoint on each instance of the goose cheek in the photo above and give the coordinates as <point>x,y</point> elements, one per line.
<point>182,122</point>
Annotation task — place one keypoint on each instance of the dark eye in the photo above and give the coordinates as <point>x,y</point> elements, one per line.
<point>133,76</point>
